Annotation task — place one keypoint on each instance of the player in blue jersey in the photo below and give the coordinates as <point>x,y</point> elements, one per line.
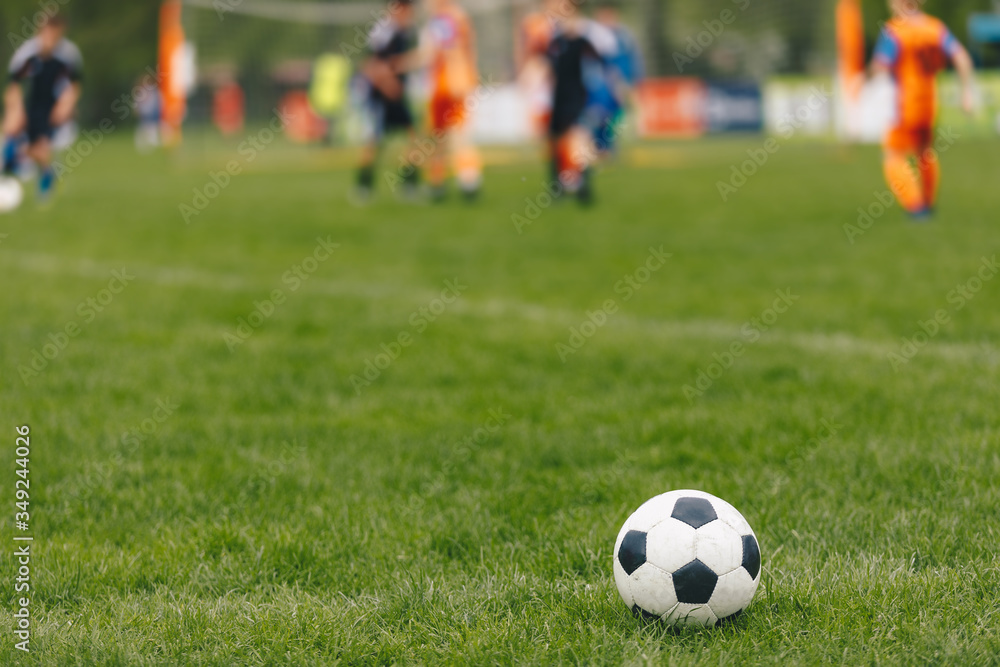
<point>608,96</point>
<point>41,95</point>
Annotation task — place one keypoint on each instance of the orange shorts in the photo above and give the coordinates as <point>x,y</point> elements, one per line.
<point>543,120</point>
<point>447,113</point>
<point>909,139</point>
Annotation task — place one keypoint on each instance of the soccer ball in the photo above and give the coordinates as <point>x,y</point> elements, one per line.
<point>688,558</point>
<point>11,194</point>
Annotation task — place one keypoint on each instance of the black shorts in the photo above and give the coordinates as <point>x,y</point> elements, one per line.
<point>566,115</point>
<point>40,124</point>
<point>390,116</point>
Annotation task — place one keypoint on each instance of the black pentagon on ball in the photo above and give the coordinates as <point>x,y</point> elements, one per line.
<point>632,552</point>
<point>695,512</point>
<point>751,555</point>
<point>694,583</point>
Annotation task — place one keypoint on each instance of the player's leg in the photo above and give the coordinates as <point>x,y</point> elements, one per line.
<point>552,157</point>
<point>388,118</point>
<point>437,161</point>
<point>466,160</point>
<point>401,119</point>
<point>40,150</point>
<point>10,155</point>
<point>929,167</point>
<point>365,181</point>
<point>561,166</point>
<point>468,167</point>
<point>574,154</point>
<point>900,174</point>
<point>904,182</point>
<point>584,156</point>
<point>410,165</point>
<point>612,130</point>
<point>147,136</point>
<point>40,132</point>
<point>14,125</point>
<point>574,147</point>
<point>601,119</point>
<point>437,168</point>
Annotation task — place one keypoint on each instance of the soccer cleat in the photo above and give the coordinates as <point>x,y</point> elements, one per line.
<point>46,187</point>
<point>923,215</point>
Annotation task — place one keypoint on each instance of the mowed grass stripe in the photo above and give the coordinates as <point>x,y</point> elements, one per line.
<point>495,308</point>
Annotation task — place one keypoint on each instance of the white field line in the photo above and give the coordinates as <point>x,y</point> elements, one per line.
<point>493,308</point>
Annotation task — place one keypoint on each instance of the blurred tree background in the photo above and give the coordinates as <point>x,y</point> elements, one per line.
<point>118,39</point>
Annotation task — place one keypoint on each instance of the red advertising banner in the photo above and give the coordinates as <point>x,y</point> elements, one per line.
<point>672,107</point>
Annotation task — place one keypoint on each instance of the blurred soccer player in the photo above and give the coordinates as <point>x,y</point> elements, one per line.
<point>148,106</point>
<point>384,71</point>
<point>51,68</point>
<point>531,44</point>
<point>610,94</point>
<point>450,50</point>
<point>913,48</point>
<point>229,106</point>
<point>575,41</point>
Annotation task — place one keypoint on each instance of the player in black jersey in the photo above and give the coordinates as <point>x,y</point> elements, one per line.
<point>575,42</point>
<point>391,41</point>
<point>43,89</point>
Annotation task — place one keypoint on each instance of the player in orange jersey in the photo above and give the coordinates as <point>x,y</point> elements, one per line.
<point>913,48</point>
<point>449,47</point>
<point>531,43</point>
<point>535,32</point>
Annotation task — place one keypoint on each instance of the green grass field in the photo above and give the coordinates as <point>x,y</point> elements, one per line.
<point>198,498</point>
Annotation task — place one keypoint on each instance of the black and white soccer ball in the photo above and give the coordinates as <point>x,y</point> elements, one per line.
<point>688,558</point>
<point>11,194</point>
